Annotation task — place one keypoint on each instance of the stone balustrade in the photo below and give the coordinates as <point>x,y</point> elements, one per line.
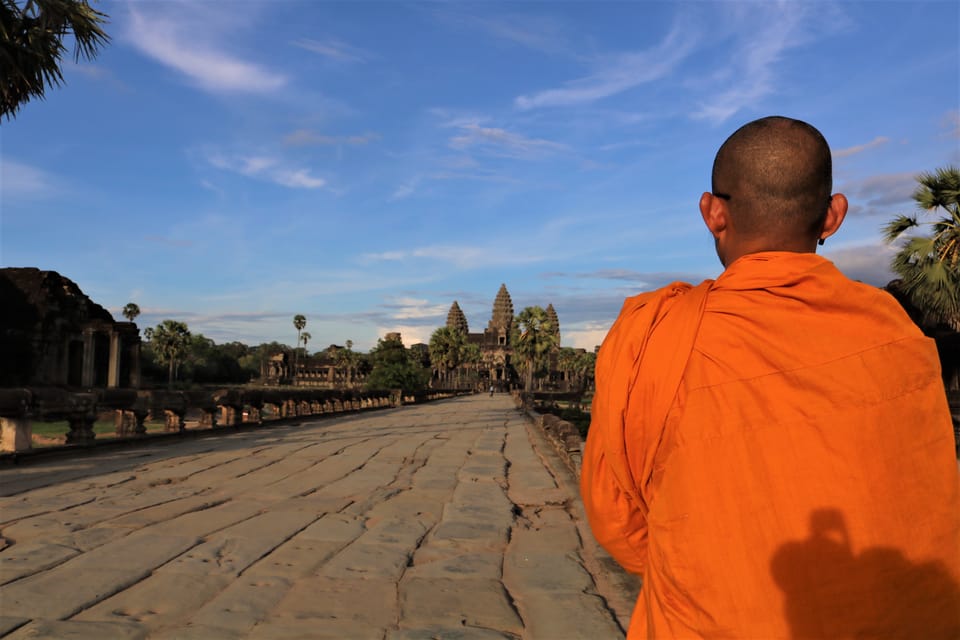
<point>231,407</point>
<point>564,435</point>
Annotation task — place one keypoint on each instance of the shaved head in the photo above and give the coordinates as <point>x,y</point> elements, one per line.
<point>777,175</point>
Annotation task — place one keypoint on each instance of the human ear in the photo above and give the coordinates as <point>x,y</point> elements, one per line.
<point>836,213</point>
<point>714,212</point>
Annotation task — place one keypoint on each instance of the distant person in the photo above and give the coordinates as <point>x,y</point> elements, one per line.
<point>747,430</point>
<point>491,391</point>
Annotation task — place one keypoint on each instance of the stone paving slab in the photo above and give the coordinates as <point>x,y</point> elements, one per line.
<point>448,520</point>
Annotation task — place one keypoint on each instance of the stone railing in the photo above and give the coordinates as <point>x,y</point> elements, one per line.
<point>563,435</point>
<point>231,407</point>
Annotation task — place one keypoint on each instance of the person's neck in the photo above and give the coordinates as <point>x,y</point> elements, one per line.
<point>765,246</point>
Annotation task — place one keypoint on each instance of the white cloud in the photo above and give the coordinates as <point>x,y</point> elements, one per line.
<point>189,50</point>
<point>502,142</point>
<point>586,336</point>
<point>333,49</point>
<point>267,168</point>
<point>414,308</point>
<point>539,33</point>
<point>408,334</point>
<point>461,257</point>
<point>17,179</point>
<point>624,72</point>
<point>850,151</point>
<point>405,190</point>
<point>302,137</point>
<point>880,192</point>
<point>867,263</point>
<point>298,179</point>
<point>763,32</point>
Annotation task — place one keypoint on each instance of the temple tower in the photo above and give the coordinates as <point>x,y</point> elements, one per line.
<point>502,318</point>
<point>554,320</point>
<point>456,320</point>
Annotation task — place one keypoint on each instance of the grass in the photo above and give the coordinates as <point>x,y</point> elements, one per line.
<point>102,428</point>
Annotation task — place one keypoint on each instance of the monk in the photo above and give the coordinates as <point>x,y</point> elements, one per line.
<point>772,452</point>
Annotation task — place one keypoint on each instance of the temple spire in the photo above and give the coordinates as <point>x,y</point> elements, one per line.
<point>502,317</point>
<point>456,320</point>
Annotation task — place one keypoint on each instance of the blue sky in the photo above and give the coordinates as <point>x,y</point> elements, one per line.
<point>230,164</point>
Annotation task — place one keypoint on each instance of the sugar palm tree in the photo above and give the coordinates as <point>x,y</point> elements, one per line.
<point>446,347</point>
<point>305,337</point>
<point>31,45</point>
<point>929,265</point>
<point>533,339</point>
<point>299,322</point>
<point>170,341</point>
<point>131,311</point>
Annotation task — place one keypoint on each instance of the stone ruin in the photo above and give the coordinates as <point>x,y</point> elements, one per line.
<point>51,334</point>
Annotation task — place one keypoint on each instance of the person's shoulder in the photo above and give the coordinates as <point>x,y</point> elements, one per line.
<point>658,296</point>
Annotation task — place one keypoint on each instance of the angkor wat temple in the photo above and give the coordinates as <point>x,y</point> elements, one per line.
<point>494,342</point>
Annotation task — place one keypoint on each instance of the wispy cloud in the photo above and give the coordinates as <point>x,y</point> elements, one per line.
<point>651,279</point>
<point>850,151</point>
<point>306,137</point>
<point>267,168</point>
<point>763,32</point>
<point>187,48</point>
<point>535,32</point>
<point>620,73</point>
<point>951,123</point>
<point>407,308</point>
<point>406,189</point>
<point>18,179</point>
<point>878,193</point>
<point>867,263</point>
<point>334,50</point>
<point>502,142</point>
<point>462,257</point>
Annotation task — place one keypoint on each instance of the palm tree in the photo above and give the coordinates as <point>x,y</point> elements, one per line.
<point>346,360</point>
<point>471,356</point>
<point>305,337</point>
<point>131,311</point>
<point>170,341</point>
<point>299,322</point>
<point>534,338</point>
<point>31,45</point>
<point>446,345</point>
<point>930,265</point>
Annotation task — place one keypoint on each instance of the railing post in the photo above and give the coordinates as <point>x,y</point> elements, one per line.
<point>16,434</point>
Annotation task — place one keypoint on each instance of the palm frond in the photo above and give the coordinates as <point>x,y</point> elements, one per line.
<point>896,227</point>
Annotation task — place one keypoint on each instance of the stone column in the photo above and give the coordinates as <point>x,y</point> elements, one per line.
<point>140,415</point>
<point>209,419</point>
<point>89,343</point>
<point>81,428</point>
<point>16,434</point>
<point>113,370</point>
<point>174,421</point>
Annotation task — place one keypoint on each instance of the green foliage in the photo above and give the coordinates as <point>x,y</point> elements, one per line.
<point>299,322</point>
<point>533,338</point>
<point>131,311</point>
<point>169,342</point>
<point>393,368</point>
<point>929,265</point>
<point>446,348</point>
<point>208,362</point>
<point>31,45</point>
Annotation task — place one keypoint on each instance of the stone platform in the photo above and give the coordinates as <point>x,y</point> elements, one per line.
<point>449,520</point>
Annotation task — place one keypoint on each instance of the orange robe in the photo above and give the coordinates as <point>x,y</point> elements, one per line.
<point>773,453</point>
